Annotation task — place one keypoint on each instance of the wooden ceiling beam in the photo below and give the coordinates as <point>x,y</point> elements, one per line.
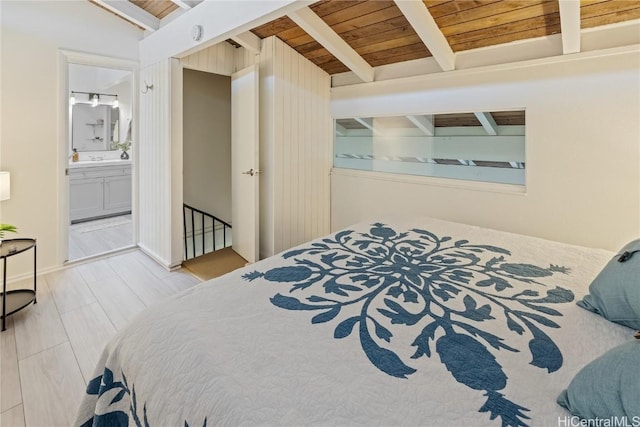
<point>249,41</point>
<point>488,123</point>
<point>425,26</point>
<point>340,130</point>
<point>570,25</point>
<point>424,123</point>
<point>186,4</point>
<point>132,13</point>
<point>330,40</point>
<point>368,123</point>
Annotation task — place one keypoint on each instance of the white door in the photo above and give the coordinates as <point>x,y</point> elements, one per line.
<point>244,162</point>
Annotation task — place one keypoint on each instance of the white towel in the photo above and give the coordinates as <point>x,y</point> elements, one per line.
<point>115,133</point>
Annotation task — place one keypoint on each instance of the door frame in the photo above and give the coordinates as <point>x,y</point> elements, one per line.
<point>177,148</point>
<point>66,57</point>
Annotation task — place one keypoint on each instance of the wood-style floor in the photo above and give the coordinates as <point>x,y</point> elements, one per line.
<point>49,350</point>
<point>99,236</point>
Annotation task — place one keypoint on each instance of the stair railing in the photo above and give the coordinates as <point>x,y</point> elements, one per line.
<point>197,237</point>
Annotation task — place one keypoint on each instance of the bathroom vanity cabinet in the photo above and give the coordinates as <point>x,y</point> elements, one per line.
<point>99,191</point>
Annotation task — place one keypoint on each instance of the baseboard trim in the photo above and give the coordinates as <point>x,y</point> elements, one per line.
<point>70,264</point>
<point>151,254</point>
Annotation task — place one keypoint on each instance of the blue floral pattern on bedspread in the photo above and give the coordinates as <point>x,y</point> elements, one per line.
<point>446,290</point>
<point>122,402</point>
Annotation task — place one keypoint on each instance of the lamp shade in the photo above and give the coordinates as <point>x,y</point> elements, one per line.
<point>5,185</point>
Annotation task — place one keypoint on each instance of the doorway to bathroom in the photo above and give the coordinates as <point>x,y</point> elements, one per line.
<point>100,160</point>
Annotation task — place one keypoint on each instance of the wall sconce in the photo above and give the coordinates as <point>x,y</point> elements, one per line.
<point>94,99</point>
<point>5,186</point>
<point>72,99</point>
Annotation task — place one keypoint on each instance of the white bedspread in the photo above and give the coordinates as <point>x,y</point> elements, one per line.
<point>445,325</point>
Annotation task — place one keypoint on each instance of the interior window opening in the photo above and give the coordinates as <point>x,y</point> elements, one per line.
<point>476,146</point>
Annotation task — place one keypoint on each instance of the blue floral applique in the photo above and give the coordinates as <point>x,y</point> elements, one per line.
<point>103,387</point>
<point>443,289</point>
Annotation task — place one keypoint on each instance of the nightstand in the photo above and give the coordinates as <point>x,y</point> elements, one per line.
<point>16,300</point>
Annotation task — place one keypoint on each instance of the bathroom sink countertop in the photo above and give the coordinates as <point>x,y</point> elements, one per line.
<point>96,163</point>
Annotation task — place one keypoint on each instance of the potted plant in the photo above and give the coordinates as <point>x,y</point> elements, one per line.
<point>6,228</point>
<point>124,146</point>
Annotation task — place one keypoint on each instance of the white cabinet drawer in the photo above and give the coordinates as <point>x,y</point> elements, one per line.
<point>99,171</point>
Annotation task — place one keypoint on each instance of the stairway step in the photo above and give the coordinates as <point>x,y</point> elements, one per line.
<point>215,264</point>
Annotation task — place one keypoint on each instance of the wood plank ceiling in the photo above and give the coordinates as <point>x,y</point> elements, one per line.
<point>158,8</point>
<point>502,118</point>
<point>378,31</point>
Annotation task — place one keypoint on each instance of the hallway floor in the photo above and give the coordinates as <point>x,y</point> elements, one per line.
<point>100,236</point>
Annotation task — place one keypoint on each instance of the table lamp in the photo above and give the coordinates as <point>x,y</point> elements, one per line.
<point>5,193</point>
<point>5,186</point>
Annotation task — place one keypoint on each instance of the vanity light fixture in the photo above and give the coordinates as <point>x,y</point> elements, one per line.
<point>93,98</point>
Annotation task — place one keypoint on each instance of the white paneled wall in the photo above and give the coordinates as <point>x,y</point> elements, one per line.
<point>244,58</point>
<point>218,59</point>
<point>295,139</point>
<point>295,148</point>
<point>222,58</point>
<point>160,147</point>
<point>154,152</point>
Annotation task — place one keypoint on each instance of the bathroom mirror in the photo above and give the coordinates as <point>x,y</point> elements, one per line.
<point>95,128</point>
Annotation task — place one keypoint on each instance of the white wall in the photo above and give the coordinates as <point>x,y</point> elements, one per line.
<point>295,148</point>
<point>161,150</point>
<point>33,115</point>
<point>207,142</point>
<point>157,165</point>
<point>582,149</point>
<point>220,58</point>
<point>295,140</point>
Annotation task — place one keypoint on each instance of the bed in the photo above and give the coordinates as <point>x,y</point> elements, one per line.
<point>409,321</point>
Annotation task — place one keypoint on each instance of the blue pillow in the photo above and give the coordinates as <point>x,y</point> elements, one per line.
<point>607,387</point>
<point>615,292</point>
